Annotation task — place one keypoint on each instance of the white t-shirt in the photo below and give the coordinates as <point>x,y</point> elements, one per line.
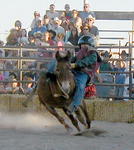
<point>52,15</point>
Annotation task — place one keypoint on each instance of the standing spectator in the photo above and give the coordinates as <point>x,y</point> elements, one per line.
<point>67,13</point>
<point>105,64</point>
<point>36,18</point>
<point>86,11</point>
<point>119,78</point>
<point>52,13</point>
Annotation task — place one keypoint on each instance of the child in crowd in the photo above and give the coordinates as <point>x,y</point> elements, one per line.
<point>60,41</point>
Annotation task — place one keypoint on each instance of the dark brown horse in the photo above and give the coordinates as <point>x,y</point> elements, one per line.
<point>56,91</point>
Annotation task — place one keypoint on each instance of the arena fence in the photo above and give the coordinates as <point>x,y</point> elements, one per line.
<point>20,59</point>
<point>114,111</point>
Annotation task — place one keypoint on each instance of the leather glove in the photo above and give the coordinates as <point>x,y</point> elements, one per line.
<point>73,65</point>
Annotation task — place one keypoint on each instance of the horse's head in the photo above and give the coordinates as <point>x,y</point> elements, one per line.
<point>62,58</point>
<point>64,74</point>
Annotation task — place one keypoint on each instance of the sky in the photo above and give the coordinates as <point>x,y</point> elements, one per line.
<point>22,10</point>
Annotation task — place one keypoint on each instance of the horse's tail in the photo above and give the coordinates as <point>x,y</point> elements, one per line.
<point>30,96</point>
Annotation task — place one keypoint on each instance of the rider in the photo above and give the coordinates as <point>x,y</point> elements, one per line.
<point>84,65</point>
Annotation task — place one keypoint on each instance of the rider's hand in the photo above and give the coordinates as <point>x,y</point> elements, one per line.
<point>73,65</point>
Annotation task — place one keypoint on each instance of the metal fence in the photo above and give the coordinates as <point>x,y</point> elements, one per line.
<point>20,58</point>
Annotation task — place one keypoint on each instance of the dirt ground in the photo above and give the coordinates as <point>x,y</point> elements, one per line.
<point>38,132</point>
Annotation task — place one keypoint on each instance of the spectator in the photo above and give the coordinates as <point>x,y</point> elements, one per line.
<point>84,30</point>
<point>39,28</point>
<point>119,78</point>
<point>52,13</point>
<point>76,20</point>
<point>126,88</point>
<point>92,28</point>
<point>68,32</point>
<point>60,41</point>
<point>67,13</point>
<point>73,39</point>
<point>14,34</point>
<point>57,27</point>
<point>23,40</point>
<point>106,65</point>
<point>12,38</point>
<point>52,35</point>
<point>36,18</point>
<point>86,12</point>
<point>46,22</point>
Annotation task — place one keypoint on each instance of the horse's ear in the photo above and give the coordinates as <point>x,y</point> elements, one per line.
<point>57,56</point>
<point>68,55</point>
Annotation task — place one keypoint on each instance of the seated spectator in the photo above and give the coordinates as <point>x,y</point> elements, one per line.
<point>46,22</point>
<point>14,34</point>
<point>38,38</point>
<point>75,16</point>
<point>52,13</point>
<point>73,39</point>
<point>12,38</point>
<point>52,35</point>
<point>36,18</point>
<point>86,11</point>
<point>57,27</point>
<point>84,30</point>
<point>69,30</point>
<point>39,28</point>
<point>31,39</point>
<point>23,40</point>
<point>60,41</point>
<point>92,28</point>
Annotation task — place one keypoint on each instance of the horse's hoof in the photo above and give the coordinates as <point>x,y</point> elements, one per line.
<point>69,130</point>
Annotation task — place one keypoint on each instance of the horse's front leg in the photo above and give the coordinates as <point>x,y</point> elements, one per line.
<point>72,118</point>
<point>60,119</point>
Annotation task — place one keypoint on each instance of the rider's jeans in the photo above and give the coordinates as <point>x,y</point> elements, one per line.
<point>52,66</point>
<point>81,79</point>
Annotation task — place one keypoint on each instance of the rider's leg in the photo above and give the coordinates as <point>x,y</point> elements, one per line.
<point>81,79</point>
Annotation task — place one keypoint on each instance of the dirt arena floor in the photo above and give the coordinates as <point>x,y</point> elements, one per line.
<point>38,132</point>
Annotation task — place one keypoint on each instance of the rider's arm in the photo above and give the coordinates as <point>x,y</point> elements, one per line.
<point>87,61</point>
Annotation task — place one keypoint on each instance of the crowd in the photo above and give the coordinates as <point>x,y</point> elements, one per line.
<point>56,29</point>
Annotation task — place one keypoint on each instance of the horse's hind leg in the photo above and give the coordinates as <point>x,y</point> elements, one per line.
<point>60,119</point>
<point>72,118</point>
<point>80,117</point>
<point>84,109</point>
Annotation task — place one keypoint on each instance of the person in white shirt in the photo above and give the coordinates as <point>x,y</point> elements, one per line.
<point>35,20</point>
<point>56,26</point>
<point>52,13</point>
<point>86,12</point>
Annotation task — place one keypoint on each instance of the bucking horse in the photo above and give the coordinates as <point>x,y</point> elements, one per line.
<point>55,90</point>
